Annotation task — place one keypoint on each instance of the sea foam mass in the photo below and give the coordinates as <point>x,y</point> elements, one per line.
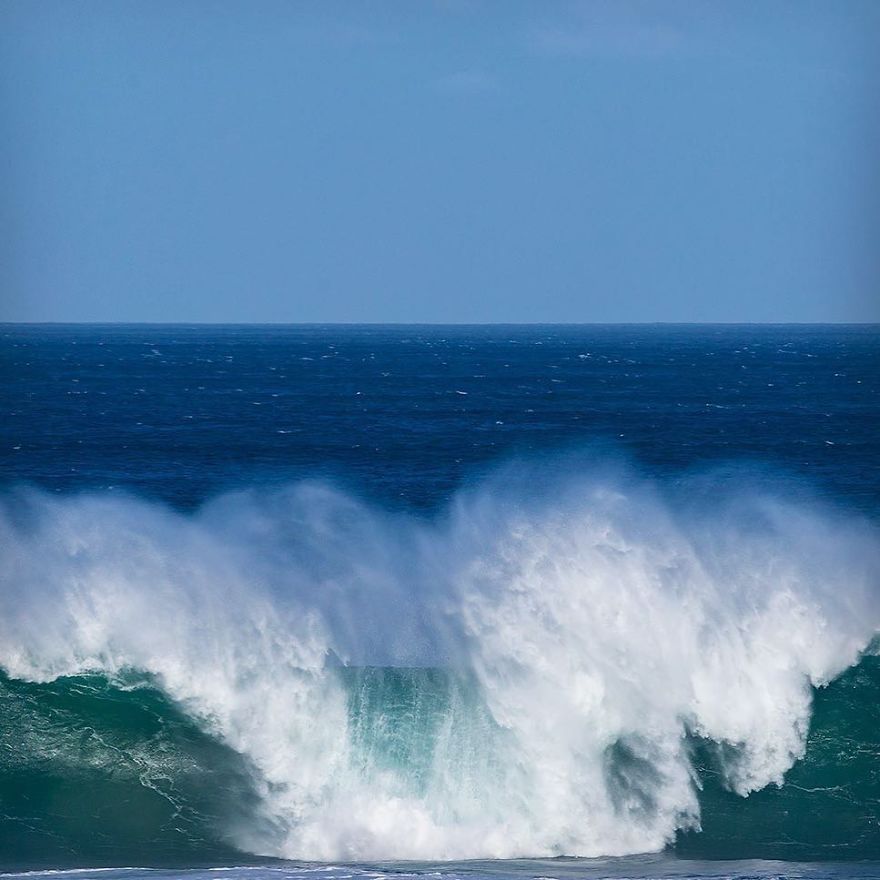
<point>527,671</point>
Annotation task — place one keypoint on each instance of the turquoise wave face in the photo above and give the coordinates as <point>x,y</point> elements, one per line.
<point>829,804</point>
<point>97,771</point>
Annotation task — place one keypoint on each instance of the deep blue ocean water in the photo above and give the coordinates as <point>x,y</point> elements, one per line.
<point>365,595</point>
<point>408,413</point>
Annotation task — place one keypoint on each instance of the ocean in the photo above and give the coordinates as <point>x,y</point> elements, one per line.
<point>489,602</point>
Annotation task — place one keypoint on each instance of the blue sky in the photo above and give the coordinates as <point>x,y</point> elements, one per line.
<point>440,161</point>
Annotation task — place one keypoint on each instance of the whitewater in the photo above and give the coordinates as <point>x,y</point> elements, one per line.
<point>561,635</point>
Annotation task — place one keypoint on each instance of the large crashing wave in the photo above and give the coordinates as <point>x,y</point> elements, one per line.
<point>521,675</point>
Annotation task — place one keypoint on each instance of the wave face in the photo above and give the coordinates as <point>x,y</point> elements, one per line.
<point>562,662</point>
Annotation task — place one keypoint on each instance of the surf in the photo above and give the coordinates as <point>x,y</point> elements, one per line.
<point>564,661</point>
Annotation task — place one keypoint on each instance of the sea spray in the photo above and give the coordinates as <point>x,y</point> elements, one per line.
<point>519,676</point>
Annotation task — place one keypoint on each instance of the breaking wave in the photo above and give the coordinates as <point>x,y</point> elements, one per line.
<point>560,662</point>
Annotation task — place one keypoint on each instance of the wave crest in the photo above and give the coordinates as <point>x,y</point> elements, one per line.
<point>558,635</point>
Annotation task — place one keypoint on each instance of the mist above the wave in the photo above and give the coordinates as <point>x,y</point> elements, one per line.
<point>591,617</point>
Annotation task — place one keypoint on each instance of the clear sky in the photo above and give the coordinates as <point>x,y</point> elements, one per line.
<point>440,161</point>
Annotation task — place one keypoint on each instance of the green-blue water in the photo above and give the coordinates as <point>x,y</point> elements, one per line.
<point>98,774</point>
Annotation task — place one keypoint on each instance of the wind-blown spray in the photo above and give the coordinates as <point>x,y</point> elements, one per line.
<point>520,676</point>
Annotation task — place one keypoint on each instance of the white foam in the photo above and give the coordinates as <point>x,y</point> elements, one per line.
<point>600,619</point>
